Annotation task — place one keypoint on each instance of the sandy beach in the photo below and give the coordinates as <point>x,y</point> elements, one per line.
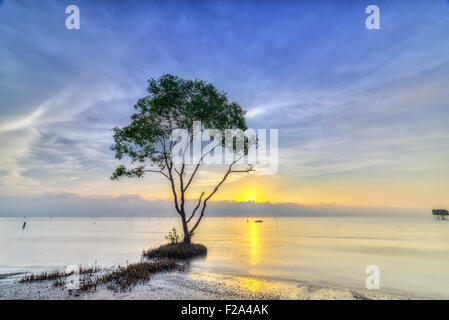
<point>186,285</point>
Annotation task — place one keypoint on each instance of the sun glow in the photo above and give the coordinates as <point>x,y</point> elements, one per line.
<point>250,196</point>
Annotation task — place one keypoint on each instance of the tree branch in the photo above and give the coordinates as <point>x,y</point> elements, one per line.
<point>246,171</point>
<point>157,171</point>
<point>181,187</point>
<point>196,208</point>
<point>172,182</point>
<point>197,166</point>
<point>215,190</point>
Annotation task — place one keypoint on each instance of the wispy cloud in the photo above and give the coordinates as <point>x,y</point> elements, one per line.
<point>348,102</point>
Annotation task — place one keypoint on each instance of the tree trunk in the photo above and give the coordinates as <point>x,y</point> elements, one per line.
<point>187,237</point>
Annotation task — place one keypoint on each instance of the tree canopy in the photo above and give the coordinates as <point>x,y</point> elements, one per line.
<point>174,103</point>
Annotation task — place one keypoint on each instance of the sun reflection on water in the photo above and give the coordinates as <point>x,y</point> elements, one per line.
<point>254,243</point>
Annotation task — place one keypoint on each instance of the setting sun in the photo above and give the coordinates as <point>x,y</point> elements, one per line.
<point>249,197</point>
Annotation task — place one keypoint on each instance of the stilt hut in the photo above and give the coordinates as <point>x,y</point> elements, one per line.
<point>440,214</point>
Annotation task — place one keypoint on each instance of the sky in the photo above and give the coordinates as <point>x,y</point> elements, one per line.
<point>362,114</point>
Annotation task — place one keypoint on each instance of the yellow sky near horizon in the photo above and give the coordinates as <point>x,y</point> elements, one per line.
<point>386,191</point>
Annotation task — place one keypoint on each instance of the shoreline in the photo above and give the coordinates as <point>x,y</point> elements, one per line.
<point>197,286</point>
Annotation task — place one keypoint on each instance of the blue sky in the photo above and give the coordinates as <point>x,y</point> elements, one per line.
<point>363,114</point>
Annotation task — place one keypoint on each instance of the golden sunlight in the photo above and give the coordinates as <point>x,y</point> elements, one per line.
<point>249,196</point>
<point>253,238</point>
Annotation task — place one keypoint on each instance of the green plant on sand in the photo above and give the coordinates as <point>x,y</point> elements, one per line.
<point>173,236</point>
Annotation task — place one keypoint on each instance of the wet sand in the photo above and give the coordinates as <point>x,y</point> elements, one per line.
<point>186,285</point>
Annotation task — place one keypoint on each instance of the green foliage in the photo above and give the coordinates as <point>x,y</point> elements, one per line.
<point>173,236</point>
<point>176,251</point>
<point>172,103</point>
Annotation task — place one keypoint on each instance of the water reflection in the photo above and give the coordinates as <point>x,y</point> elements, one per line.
<point>254,243</point>
<point>412,254</point>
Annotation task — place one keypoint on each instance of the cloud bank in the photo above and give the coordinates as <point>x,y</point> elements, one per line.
<point>72,205</point>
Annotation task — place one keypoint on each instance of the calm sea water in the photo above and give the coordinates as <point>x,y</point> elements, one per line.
<point>412,254</point>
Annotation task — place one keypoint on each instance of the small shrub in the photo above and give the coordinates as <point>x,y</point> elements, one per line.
<point>87,283</point>
<point>44,276</point>
<point>57,274</point>
<point>59,283</point>
<point>127,277</point>
<point>176,251</point>
<point>120,279</point>
<point>173,236</point>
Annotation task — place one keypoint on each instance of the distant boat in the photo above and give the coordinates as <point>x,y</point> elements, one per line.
<point>440,214</point>
<point>259,221</point>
